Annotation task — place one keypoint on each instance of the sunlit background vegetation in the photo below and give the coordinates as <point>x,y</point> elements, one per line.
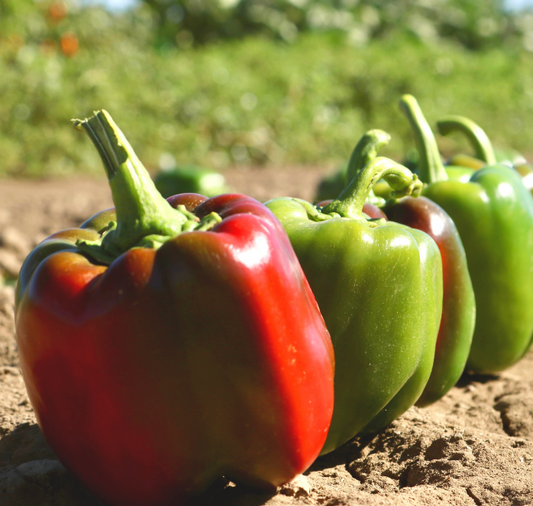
<point>226,82</point>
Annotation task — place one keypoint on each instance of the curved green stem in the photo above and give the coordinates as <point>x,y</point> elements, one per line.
<point>140,209</point>
<point>351,201</point>
<point>431,168</point>
<point>476,136</point>
<point>365,151</point>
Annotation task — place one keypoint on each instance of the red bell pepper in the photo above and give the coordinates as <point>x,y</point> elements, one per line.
<point>173,346</point>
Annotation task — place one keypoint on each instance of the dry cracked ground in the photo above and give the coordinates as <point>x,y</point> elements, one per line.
<point>474,447</point>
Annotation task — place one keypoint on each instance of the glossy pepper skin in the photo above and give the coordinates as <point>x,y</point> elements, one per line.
<point>493,213</point>
<point>458,308</point>
<point>484,150</point>
<point>157,361</point>
<point>458,303</point>
<point>379,287</point>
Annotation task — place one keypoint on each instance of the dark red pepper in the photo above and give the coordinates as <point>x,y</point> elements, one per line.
<point>458,304</point>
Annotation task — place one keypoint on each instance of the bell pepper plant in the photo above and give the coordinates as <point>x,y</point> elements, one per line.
<point>458,305</point>
<point>484,150</point>
<point>493,213</point>
<point>166,344</point>
<point>379,287</point>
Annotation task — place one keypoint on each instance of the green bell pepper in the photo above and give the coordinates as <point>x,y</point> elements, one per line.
<point>493,213</point>
<point>458,309</point>
<point>190,179</point>
<point>379,287</point>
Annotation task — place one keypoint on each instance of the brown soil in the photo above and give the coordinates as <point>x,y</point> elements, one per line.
<point>473,447</point>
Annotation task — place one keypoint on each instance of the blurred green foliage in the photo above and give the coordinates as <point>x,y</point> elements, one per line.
<point>233,102</point>
<point>473,24</point>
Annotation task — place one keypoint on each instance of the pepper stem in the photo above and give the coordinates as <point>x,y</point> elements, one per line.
<point>364,152</point>
<point>477,137</point>
<point>431,168</point>
<point>351,201</point>
<point>140,209</point>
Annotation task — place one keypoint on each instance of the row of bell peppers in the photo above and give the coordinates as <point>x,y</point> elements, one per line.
<point>168,342</point>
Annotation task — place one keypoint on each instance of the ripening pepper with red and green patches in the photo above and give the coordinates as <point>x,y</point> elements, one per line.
<point>167,343</point>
